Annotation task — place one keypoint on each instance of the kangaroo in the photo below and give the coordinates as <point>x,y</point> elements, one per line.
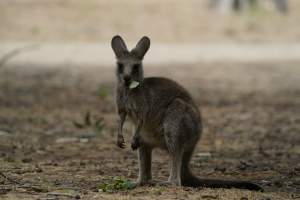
<point>164,115</point>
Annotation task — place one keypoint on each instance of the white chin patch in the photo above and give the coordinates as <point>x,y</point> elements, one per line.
<point>133,84</point>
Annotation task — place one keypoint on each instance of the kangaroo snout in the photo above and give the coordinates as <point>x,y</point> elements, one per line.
<point>127,79</point>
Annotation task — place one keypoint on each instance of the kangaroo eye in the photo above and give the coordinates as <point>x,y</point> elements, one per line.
<point>120,67</point>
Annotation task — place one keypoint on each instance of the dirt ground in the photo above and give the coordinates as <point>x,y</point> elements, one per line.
<point>251,119</point>
<point>250,111</point>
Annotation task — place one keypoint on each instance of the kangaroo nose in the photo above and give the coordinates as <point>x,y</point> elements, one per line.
<point>127,78</point>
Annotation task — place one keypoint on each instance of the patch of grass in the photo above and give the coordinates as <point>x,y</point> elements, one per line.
<point>103,92</point>
<point>99,125</point>
<point>89,121</point>
<point>35,30</point>
<point>116,184</point>
<point>37,120</point>
<point>157,191</point>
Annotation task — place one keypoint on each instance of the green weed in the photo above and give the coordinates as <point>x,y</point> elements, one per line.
<point>116,184</point>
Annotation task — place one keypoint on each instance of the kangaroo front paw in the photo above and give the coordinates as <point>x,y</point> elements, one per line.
<point>135,144</point>
<point>121,142</point>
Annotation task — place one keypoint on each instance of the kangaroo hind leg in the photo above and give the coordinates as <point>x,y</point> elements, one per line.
<point>178,129</point>
<point>144,157</point>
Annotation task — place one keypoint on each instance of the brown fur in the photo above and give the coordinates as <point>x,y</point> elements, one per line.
<point>165,116</point>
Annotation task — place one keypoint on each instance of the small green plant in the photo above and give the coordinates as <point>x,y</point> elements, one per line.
<point>116,184</point>
<point>103,92</point>
<point>96,123</point>
<point>157,191</point>
<point>37,120</point>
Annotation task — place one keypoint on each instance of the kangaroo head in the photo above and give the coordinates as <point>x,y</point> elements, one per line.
<point>129,63</point>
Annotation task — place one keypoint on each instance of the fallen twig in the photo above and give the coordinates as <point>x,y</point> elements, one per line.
<point>64,195</point>
<point>8,178</point>
<point>209,196</point>
<point>15,52</point>
<point>33,188</point>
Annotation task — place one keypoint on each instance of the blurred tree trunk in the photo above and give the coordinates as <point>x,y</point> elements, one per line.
<point>227,6</point>
<point>282,5</point>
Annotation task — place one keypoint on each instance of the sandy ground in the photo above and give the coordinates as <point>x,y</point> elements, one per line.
<point>251,119</point>
<point>82,54</point>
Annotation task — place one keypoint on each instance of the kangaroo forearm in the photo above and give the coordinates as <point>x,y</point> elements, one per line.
<point>121,120</point>
<point>120,138</point>
<point>138,129</point>
<point>135,144</point>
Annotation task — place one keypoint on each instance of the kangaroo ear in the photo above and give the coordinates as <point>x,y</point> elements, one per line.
<point>142,47</point>
<point>119,46</point>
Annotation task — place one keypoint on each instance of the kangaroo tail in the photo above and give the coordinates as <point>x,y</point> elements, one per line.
<point>193,181</point>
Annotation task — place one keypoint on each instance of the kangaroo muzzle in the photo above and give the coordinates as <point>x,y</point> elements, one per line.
<point>127,80</point>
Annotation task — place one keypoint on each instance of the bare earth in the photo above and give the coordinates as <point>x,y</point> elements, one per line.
<point>251,118</point>
<point>250,110</point>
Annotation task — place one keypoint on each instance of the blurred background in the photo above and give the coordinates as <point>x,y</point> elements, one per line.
<point>239,59</point>
<point>77,31</point>
<point>164,21</point>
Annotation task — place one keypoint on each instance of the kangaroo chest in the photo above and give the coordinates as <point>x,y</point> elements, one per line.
<point>134,106</point>
<point>133,113</point>
<point>139,109</point>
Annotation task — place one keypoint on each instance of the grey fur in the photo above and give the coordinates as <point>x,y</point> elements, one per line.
<point>165,116</point>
